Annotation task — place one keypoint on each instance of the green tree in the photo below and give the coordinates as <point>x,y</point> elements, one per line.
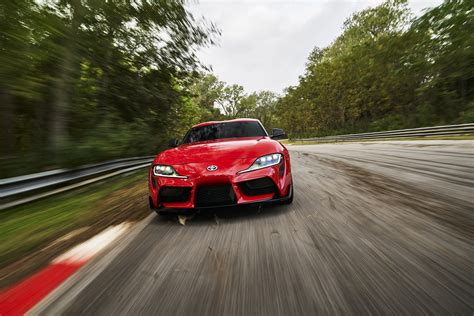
<point>231,99</point>
<point>387,70</point>
<point>88,80</point>
<point>206,90</point>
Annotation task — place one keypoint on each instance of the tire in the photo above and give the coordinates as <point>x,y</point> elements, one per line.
<point>169,213</point>
<point>290,197</point>
<point>166,215</point>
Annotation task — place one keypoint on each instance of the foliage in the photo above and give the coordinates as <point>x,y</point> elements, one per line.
<point>219,100</point>
<point>387,70</point>
<point>88,80</point>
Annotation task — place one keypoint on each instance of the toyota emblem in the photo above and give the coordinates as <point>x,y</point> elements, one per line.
<point>212,168</point>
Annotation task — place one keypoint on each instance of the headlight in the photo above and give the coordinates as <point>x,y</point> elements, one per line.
<point>166,171</point>
<point>264,161</point>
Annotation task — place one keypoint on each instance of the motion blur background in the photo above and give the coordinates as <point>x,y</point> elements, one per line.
<point>83,81</point>
<point>376,227</point>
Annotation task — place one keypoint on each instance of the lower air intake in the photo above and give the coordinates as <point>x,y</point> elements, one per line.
<point>215,195</point>
<point>174,194</point>
<point>258,187</point>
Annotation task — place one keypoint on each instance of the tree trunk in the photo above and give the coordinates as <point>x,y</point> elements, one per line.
<point>63,83</point>
<point>40,129</point>
<point>103,103</point>
<point>8,115</point>
<point>58,130</point>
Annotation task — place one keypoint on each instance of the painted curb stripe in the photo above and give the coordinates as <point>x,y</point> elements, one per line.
<point>21,297</point>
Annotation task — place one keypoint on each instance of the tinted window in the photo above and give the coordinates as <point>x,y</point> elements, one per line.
<point>224,130</point>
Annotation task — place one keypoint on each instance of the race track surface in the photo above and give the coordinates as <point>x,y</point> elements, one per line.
<point>374,228</point>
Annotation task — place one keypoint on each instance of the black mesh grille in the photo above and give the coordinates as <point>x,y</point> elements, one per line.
<point>257,187</point>
<point>174,194</point>
<point>215,195</point>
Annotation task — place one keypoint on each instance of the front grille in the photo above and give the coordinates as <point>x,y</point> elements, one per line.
<point>214,195</point>
<point>258,187</point>
<point>174,194</point>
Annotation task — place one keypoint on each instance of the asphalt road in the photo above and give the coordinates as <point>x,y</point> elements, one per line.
<point>374,228</point>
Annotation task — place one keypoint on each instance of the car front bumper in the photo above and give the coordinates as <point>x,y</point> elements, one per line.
<point>221,189</point>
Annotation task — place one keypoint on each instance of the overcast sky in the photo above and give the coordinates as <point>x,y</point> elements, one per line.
<point>265,43</point>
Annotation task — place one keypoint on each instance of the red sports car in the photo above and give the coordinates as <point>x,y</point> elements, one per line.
<point>220,164</point>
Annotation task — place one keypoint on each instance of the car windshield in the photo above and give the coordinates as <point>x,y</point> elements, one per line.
<point>224,130</point>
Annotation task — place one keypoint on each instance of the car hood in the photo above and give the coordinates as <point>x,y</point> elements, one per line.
<point>219,150</point>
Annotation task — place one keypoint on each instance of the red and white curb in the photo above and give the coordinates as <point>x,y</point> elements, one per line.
<point>21,297</point>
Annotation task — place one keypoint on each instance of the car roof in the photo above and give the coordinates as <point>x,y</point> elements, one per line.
<point>226,121</point>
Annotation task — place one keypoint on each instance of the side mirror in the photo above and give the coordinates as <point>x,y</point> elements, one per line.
<point>278,133</point>
<point>173,143</point>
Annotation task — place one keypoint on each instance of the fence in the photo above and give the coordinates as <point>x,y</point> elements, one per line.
<point>446,130</point>
<point>19,190</point>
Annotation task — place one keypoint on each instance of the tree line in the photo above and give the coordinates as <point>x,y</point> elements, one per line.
<point>387,70</point>
<point>215,99</point>
<point>91,80</point>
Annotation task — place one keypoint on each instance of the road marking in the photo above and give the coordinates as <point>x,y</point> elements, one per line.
<point>85,251</point>
<point>19,298</point>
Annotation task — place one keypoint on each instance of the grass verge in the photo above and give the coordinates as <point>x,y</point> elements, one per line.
<point>33,234</point>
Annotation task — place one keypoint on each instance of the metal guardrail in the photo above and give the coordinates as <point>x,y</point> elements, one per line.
<point>445,130</point>
<point>23,189</point>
